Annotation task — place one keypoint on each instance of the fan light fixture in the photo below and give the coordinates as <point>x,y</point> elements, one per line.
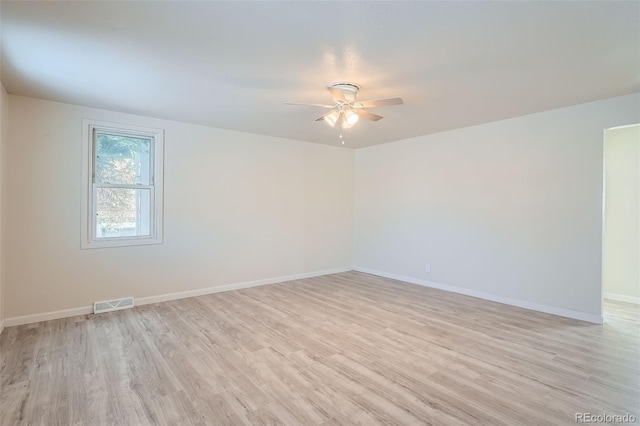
<point>332,118</point>
<point>350,118</point>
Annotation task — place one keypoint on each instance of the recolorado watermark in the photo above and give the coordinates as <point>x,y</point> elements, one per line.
<point>605,418</point>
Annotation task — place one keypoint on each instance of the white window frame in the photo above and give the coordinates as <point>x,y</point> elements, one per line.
<point>89,204</point>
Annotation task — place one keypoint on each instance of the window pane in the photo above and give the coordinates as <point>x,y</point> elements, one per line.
<point>123,212</point>
<point>122,159</point>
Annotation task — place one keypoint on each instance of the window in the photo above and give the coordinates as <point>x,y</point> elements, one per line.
<point>122,191</point>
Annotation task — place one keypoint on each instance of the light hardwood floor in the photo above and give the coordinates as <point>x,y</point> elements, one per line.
<point>342,349</point>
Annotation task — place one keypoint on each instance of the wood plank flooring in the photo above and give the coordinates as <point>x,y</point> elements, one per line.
<point>344,349</point>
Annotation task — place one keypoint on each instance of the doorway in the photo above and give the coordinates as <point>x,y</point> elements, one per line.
<point>621,224</point>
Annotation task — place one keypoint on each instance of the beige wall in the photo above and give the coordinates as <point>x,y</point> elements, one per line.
<point>238,207</point>
<point>511,208</point>
<point>621,244</point>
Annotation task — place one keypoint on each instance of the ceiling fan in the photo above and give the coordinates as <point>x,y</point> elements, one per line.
<point>346,108</point>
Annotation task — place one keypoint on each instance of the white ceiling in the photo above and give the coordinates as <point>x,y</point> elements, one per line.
<point>233,64</point>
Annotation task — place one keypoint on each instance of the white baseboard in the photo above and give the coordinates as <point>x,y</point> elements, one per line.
<point>46,316</point>
<point>29,319</point>
<point>621,298</point>
<point>236,286</point>
<point>597,319</point>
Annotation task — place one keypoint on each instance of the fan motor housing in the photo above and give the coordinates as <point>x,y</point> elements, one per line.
<point>350,90</point>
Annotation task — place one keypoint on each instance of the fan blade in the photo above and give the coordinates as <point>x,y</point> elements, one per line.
<point>369,115</point>
<point>336,94</point>
<point>313,105</point>
<point>380,102</point>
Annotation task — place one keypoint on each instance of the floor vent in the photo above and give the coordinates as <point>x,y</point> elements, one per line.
<point>112,305</point>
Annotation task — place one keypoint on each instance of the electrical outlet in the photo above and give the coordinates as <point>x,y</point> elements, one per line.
<point>427,267</point>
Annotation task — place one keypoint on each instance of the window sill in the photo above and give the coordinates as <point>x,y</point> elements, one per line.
<point>120,242</point>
